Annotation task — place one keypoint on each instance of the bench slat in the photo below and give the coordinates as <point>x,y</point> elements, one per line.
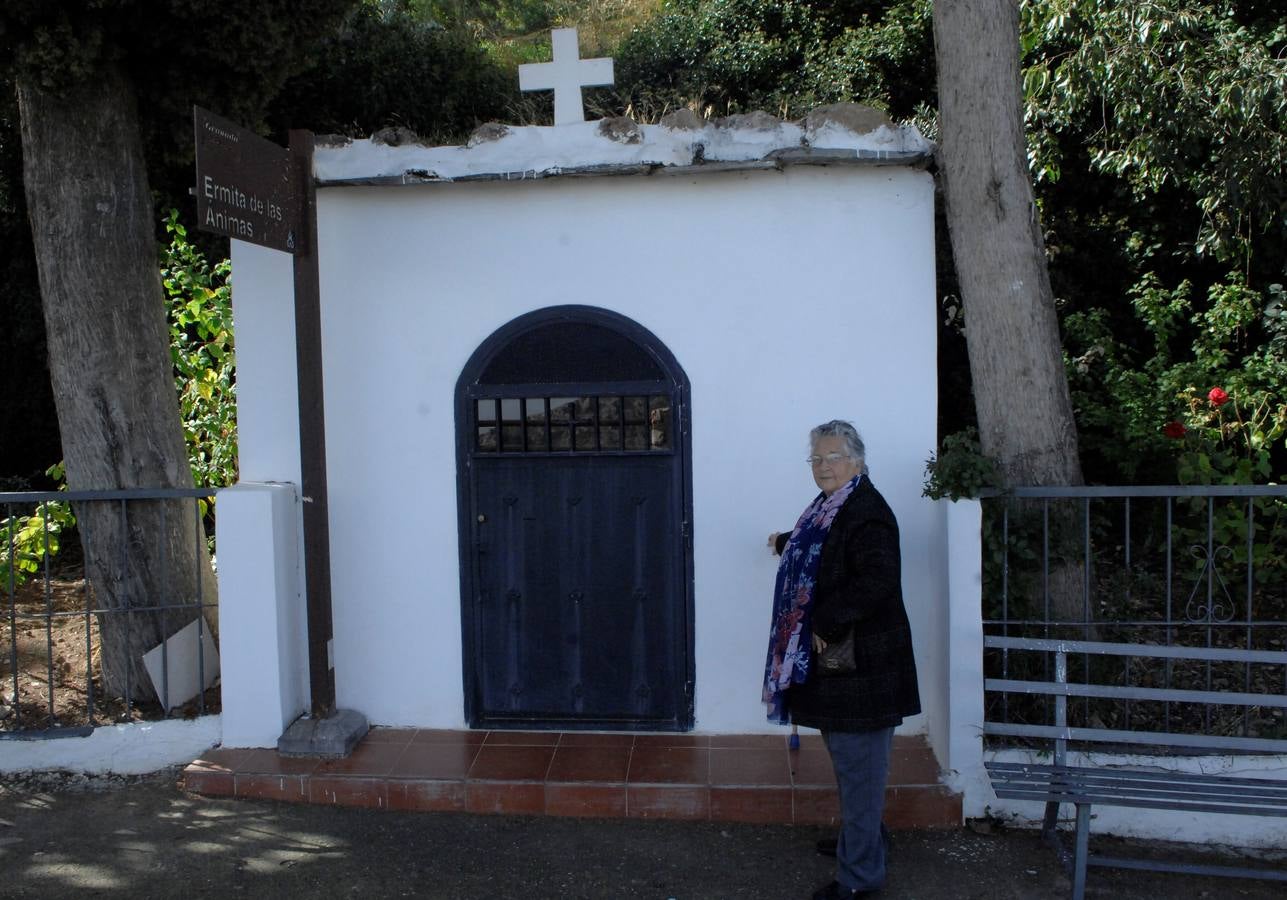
<point>1221,743</point>
<point>1143,789</point>
<point>1159,651</point>
<point>1122,799</point>
<point>1163,800</point>
<point>1211,786</point>
<point>1141,803</point>
<point>1157,865</point>
<point>1122,692</point>
<point>1187,792</point>
<point>1084,786</point>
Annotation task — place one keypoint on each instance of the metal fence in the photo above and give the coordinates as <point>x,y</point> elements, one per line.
<point>91,581</point>
<point>1167,566</point>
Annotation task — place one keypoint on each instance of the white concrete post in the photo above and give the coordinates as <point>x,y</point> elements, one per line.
<point>263,635</point>
<point>965,655</point>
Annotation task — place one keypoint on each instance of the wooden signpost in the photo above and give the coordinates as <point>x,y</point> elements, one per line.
<point>251,189</point>
<point>245,185</point>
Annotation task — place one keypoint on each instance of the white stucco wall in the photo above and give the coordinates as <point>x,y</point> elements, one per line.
<point>130,749</point>
<point>788,297</point>
<point>263,309</point>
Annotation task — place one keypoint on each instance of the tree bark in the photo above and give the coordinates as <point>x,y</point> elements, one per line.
<point>1011,331</point>
<point>92,223</point>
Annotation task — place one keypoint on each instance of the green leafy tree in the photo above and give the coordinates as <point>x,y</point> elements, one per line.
<point>93,79</point>
<point>1170,94</point>
<point>784,56</point>
<point>1160,149</point>
<point>1149,412</point>
<point>387,67</point>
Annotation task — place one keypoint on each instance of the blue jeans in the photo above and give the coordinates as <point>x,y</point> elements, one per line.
<point>861,761</point>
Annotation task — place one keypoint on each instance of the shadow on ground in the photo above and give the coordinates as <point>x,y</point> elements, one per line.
<point>144,837</point>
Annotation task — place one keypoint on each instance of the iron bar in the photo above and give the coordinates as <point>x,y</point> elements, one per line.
<point>1136,602</point>
<point>1107,648</point>
<point>156,493</point>
<point>1087,574</point>
<point>1169,575</point>
<point>89,652</point>
<point>1210,573</point>
<point>1220,743</point>
<point>201,607</point>
<point>126,602</point>
<point>1065,689</point>
<point>164,691</point>
<point>1163,490</point>
<point>1129,623</point>
<point>49,608</point>
<point>13,612</point>
<point>1251,556</point>
<point>54,619</point>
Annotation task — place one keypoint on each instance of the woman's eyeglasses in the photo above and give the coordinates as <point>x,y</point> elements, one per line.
<point>831,458</point>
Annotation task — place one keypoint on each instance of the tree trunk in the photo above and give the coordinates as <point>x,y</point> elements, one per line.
<point>1011,331</point>
<point>92,223</point>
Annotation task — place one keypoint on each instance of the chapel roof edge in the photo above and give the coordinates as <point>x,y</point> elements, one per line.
<point>837,134</point>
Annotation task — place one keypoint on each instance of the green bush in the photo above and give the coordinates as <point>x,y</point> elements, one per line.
<point>26,541</point>
<point>199,309</point>
<point>199,298</point>
<point>782,56</point>
<point>960,469</point>
<point>1205,403</point>
<point>387,67</point>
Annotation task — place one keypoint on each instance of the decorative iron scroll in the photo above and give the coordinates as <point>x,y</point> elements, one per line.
<point>1216,606</point>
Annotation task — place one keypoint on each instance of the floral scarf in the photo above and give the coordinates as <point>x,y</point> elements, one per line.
<point>791,637</point>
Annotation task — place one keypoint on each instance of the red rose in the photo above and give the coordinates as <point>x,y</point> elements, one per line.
<point>1218,397</point>
<point>1174,430</point>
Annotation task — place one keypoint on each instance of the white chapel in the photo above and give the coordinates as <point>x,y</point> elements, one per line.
<point>569,376</point>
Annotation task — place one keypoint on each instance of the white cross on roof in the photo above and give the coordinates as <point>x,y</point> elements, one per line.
<point>566,76</point>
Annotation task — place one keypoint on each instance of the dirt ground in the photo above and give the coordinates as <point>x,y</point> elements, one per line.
<point>114,836</point>
<point>46,630</point>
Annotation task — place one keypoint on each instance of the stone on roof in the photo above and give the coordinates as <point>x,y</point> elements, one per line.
<point>683,140</point>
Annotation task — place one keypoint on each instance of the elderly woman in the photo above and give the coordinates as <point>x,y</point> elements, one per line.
<point>840,651</point>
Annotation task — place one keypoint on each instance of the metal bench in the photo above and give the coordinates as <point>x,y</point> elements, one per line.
<point>1084,786</point>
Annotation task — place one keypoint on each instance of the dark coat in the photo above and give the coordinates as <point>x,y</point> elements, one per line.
<point>860,585</point>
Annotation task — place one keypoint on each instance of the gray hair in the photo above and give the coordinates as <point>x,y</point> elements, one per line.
<point>846,432</point>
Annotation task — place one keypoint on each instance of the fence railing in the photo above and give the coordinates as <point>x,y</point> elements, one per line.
<point>108,608</point>
<point>1168,566</point>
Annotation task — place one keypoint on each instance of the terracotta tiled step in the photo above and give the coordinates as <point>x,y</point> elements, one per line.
<point>738,778</point>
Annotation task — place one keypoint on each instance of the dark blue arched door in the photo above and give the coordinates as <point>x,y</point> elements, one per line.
<point>576,562</point>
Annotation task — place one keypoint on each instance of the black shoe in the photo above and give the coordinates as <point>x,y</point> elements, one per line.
<point>834,891</point>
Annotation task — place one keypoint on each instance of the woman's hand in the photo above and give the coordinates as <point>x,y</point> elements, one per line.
<point>818,644</point>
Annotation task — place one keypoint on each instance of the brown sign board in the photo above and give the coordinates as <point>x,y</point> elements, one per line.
<point>244,185</point>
